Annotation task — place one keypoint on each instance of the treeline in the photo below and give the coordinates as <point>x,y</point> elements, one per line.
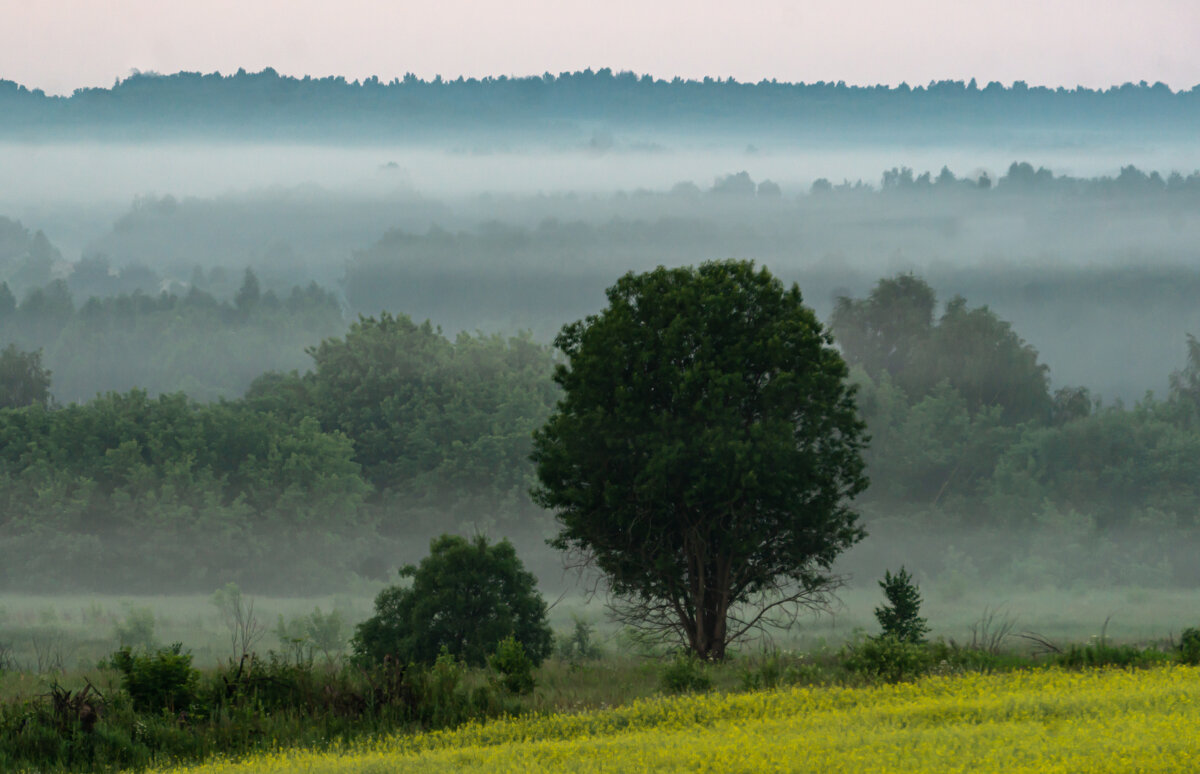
<point>1105,291</point>
<point>970,444</point>
<point>103,329</point>
<point>395,434</point>
<point>1021,178</point>
<point>166,342</point>
<point>266,103</point>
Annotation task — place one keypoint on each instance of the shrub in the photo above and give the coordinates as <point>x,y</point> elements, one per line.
<point>1189,647</point>
<point>685,674</point>
<point>900,618</point>
<point>465,597</point>
<point>1101,652</point>
<point>886,658</point>
<point>158,681</point>
<point>778,669</point>
<point>513,665</point>
<point>439,697</point>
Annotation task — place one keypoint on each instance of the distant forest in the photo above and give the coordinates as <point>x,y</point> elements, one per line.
<point>393,432</point>
<point>272,106</point>
<point>1098,272</point>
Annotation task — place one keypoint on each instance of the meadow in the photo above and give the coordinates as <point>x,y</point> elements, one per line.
<point>70,633</point>
<point>1045,720</point>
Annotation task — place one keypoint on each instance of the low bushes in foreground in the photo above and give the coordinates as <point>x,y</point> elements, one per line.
<point>156,707</point>
<point>148,708</point>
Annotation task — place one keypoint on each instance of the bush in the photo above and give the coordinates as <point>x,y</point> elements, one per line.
<point>158,681</point>
<point>513,665</point>
<point>439,697</point>
<point>778,669</point>
<point>685,674</point>
<point>886,658</point>
<point>465,598</point>
<point>1189,647</point>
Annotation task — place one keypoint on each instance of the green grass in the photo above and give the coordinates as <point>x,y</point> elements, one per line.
<point>75,631</point>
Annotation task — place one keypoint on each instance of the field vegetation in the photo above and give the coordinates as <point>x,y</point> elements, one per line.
<point>1036,721</point>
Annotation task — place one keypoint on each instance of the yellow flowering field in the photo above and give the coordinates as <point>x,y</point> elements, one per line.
<point>1027,721</point>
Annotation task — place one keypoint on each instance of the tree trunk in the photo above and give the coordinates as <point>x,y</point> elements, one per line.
<point>708,629</point>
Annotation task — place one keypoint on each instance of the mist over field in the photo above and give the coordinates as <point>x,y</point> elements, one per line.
<point>179,269</point>
<point>506,240</point>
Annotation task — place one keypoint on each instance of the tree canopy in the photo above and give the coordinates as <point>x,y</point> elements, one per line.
<point>704,451</point>
<point>892,331</point>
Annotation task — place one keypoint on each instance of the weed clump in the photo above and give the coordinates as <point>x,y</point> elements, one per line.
<point>685,674</point>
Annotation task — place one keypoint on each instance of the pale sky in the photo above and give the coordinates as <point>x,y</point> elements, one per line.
<point>59,45</point>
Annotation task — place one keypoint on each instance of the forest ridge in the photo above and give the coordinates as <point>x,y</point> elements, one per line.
<point>195,104</point>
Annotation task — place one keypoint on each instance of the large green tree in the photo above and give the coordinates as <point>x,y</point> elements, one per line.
<point>704,452</point>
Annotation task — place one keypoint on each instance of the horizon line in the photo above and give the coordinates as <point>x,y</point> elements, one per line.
<point>968,84</point>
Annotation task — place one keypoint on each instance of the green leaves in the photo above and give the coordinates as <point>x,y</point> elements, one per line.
<point>706,444</point>
<point>900,618</point>
<point>466,597</point>
<point>428,415</point>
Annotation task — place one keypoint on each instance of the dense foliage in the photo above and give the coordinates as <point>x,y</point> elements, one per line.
<point>440,427</point>
<point>466,598</point>
<point>128,490</point>
<point>972,351</point>
<point>398,433</point>
<point>302,482</point>
<point>156,708</point>
<point>23,379</point>
<point>704,452</point>
<point>901,617</point>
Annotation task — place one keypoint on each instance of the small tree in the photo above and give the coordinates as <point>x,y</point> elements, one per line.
<point>513,666</point>
<point>466,597</point>
<point>23,379</point>
<point>237,613</point>
<point>900,618</point>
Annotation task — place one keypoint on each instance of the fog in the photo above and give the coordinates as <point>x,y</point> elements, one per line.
<point>1093,265</point>
<point>65,172</point>
<point>1091,278</point>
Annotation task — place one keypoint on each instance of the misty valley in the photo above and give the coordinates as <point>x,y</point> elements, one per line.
<point>277,384</point>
